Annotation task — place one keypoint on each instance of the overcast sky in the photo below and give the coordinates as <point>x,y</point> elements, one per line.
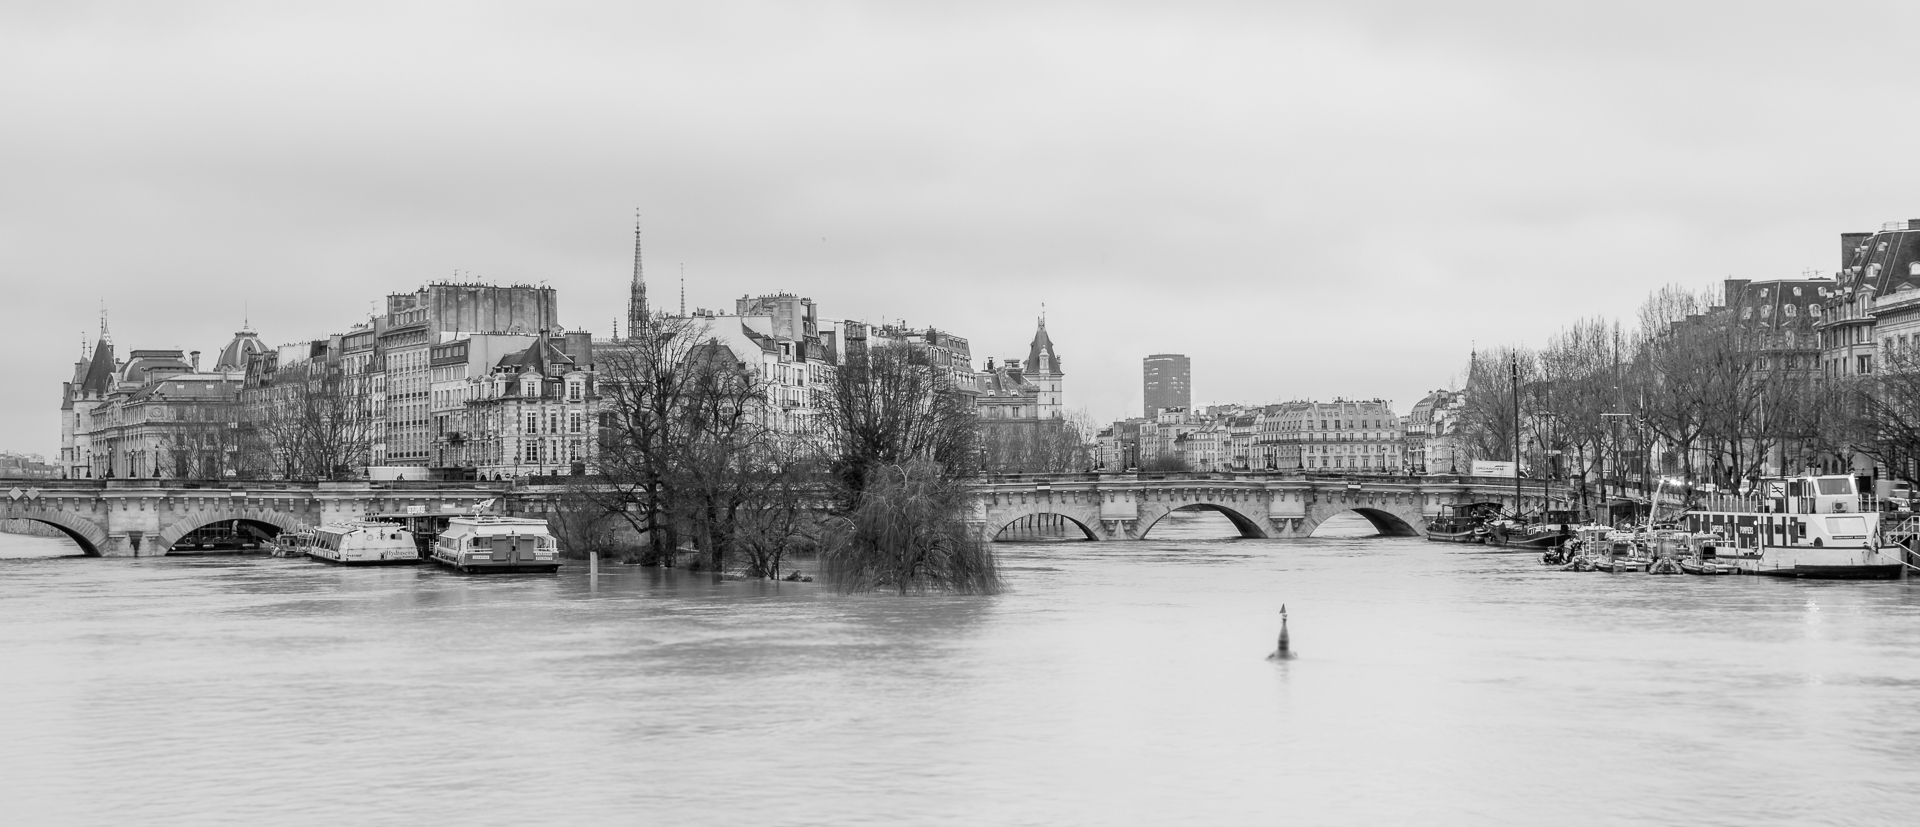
<point>1311,200</point>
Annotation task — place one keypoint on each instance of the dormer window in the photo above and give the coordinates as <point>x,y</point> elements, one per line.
<point>530,387</point>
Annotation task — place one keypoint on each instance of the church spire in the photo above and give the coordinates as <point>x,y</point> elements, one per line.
<point>637,292</point>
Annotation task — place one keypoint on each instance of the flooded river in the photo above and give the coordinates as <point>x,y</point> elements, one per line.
<point>1115,683</point>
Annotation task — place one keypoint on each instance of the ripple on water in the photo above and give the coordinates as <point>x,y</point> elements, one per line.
<point>1113,683</point>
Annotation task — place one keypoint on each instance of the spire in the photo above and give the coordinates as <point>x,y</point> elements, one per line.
<point>637,293</point>
<point>104,335</point>
<point>1041,358</point>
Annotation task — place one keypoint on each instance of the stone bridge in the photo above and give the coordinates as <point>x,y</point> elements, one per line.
<point>146,517</point>
<point>1126,507</point>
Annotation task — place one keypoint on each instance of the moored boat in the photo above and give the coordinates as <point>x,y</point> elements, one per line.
<point>499,544</point>
<point>1704,556</point>
<point>1810,526</point>
<point>1462,522</point>
<point>1621,554</point>
<point>1551,530</point>
<point>291,543</point>
<point>364,543</point>
<point>1581,552</point>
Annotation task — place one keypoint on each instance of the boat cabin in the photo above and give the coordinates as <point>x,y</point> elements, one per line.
<point>1806,511</point>
<point>476,544</point>
<point>363,541</point>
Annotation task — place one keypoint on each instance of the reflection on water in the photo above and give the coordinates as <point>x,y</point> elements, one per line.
<point>1116,683</point>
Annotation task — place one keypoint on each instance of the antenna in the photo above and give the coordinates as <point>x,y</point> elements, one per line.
<point>683,289</point>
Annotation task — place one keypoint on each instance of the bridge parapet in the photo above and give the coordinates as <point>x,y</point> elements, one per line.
<point>1271,505</point>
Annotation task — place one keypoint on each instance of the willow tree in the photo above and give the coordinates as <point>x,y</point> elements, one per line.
<point>901,444</point>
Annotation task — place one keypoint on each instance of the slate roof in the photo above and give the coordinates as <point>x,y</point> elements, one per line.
<point>539,357</point>
<point>99,378</point>
<point>1042,343</point>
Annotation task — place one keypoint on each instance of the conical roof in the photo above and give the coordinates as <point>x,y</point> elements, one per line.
<point>1043,345</point>
<point>99,379</point>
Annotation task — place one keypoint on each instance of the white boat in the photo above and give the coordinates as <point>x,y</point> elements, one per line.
<point>477,544</point>
<point>364,542</point>
<point>1806,526</point>
<point>293,543</point>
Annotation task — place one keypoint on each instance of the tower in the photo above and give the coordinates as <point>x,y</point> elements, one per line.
<point>1166,381</point>
<point>637,292</point>
<point>1043,369</point>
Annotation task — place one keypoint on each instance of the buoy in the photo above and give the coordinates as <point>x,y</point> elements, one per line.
<point>1283,651</point>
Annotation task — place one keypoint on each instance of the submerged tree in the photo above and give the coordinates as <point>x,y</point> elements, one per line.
<point>902,447</point>
<point>910,534</point>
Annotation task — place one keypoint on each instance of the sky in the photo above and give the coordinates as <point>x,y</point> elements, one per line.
<point>1310,200</point>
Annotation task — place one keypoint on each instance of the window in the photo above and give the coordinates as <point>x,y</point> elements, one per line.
<point>1848,527</point>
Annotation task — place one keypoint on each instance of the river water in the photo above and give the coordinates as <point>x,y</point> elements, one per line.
<point>1115,683</point>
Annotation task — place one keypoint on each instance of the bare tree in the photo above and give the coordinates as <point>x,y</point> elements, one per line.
<point>643,384</point>
<point>902,446</point>
<point>1038,446</point>
<point>1878,414</point>
<point>307,423</point>
<point>888,406</point>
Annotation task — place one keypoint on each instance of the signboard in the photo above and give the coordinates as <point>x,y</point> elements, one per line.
<point>416,509</point>
<point>1491,468</point>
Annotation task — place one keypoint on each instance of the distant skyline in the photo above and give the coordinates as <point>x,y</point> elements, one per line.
<point>1310,200</point>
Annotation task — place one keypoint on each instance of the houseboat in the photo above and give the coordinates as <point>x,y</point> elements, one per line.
<point>364,542</point>
<point>1462,522</point>
<point>1552,530</point>
<point>505,544</point>
<point>1805,526</point>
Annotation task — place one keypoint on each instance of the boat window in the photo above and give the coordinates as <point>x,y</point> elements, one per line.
<point>1847,526</point>
<point>1831,486</point>
<point>480,542</point>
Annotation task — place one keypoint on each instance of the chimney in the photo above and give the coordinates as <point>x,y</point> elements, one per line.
<point>196,361</point>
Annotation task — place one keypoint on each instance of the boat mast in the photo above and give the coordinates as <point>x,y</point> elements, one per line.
<point>1513,368</point>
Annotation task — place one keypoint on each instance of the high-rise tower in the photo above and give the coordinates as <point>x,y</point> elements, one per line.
<point>1166,381</point>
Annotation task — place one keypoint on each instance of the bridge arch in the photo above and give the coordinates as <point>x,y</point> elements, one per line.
<point>1245,525</point>
<point>83,532</point>
<point>1385,522</point>
<point>1003,522</point>
<point>200,518</point>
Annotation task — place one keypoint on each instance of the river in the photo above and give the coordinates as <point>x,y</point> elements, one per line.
<point>1114,683</point>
